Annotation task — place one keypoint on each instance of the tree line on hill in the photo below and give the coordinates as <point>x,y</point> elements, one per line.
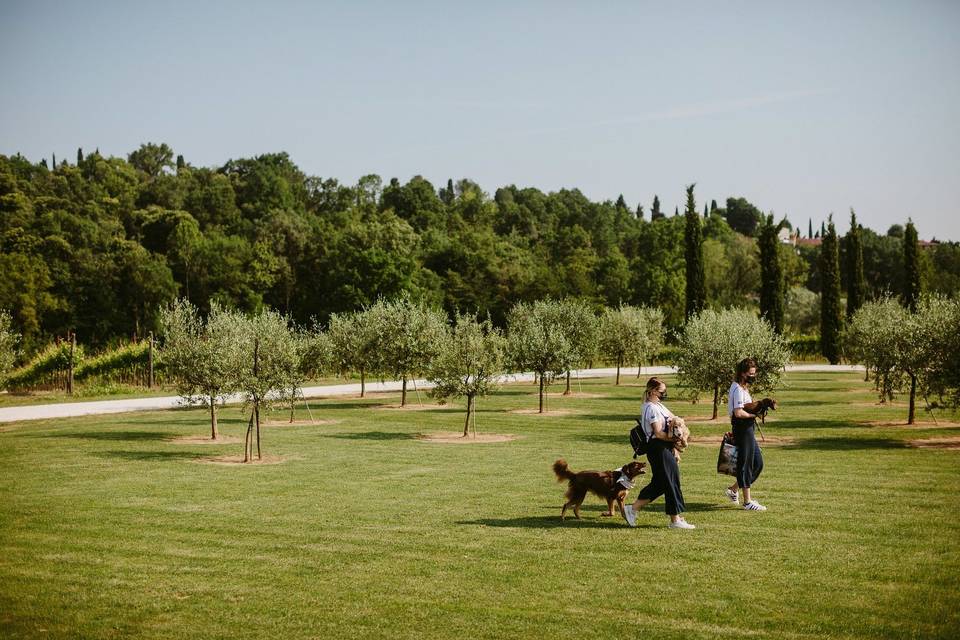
<point>98,245</point>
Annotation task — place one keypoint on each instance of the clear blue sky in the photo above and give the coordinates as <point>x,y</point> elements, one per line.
<point>804,110</point>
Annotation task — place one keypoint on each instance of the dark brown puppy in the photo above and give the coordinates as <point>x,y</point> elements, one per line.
<point>601,483</point>
<point>759,408</point>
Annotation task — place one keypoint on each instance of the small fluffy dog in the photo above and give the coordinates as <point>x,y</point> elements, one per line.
<point>605,484</point>
<point>677,429</point>
<point>759,408</point>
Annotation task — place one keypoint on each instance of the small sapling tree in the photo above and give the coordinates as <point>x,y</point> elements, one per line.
<point>202,357</point>
<point>469,363</point>
<point>537,342</point>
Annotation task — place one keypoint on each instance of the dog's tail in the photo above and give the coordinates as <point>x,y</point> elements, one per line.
<point>562,470</point>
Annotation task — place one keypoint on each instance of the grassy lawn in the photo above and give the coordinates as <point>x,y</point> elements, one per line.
<point>110,530</point>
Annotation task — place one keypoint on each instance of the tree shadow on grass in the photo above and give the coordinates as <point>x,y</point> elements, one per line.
<point>801,423</point>
<point>372,435</point>
<point>151,456</point>
<point>365,403</point>
<point>111,436</point>
<point>846,444</point>
<point>553,522</point>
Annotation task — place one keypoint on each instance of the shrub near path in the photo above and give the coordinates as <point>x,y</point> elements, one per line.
<point>108,530</point>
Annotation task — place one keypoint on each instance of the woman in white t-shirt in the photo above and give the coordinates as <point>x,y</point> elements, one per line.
<point>749,456</point>
<point>663,460</point>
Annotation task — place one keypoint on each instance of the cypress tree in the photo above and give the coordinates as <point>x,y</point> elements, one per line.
<point>706,210</point>
<point>693,241</point>
<point>446,195</point>
<point>911,266</point>
<point>831,322</point>
<point>180,162</point>
<point>823,230</point>
<point>621,203</point>
<point>771,275</point>
<point>713,206</point>
<point>676,211</point>
<point>79,156</point>
<point>54,166</point>
<point>856,283</point>
<point>639,212</point>
<point>655,213</point>
<point>810,228</point>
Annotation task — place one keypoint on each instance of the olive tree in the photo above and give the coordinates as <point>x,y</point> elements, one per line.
<point>9,340</point>
<point>580,327</point>
<point>353,344</point>
<point>713,342</point>
<point>408,338</point>
<point>201,356</point>
<point>537,342</point>
<point>469,363</point>
<point>313,357</point>
<point>269,351</point>
<point>628,334</point>
<point>905,350</point>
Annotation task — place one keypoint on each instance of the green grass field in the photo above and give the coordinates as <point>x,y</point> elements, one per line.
<point>110,530</point>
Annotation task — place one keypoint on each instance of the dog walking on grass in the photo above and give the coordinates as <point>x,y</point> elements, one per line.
<point>612,486</point>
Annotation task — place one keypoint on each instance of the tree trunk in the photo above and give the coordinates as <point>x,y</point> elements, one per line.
<point>639,367</point>
<point>567,390</point>
<point>913,397</point>
<point>150,365</point>
<point>363,383</point>
<point>541,393</point>
<point>256,412</point>
<point>716,400</point>
<point>403,394</point>
<point>619,360</point>
<point>293,403</point>
<point>213,418</point>
<point>248,440</point>
<point>466,425</point>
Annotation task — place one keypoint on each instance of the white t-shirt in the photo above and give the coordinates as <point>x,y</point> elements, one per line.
<point>654,412</point>
<point>736,398</point>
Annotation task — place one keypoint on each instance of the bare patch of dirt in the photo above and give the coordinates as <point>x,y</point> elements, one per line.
<point>946,442</point>
<point>879,405</point>
<point>720,419</point>
<point>237,461</point>
<point>453,437</point>
<point>919,423</point>
<point>204,440</point>
<point>551,412</point>
<point>296,423</point>
<point>714,440</point>
<point>575,395</point>
<point>413,406</point>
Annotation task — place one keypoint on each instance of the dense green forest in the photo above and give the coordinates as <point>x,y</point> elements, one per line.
<point>98,244</point>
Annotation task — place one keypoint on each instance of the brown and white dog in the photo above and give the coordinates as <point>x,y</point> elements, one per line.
<point>759,408</point>
<point>601,483</point>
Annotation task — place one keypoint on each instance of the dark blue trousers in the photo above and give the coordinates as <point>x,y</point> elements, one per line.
<point>666,478</point>
<point>749,456</point>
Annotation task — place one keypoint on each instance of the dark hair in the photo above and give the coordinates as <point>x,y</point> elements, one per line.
<point>652,383</point>
<point>743,366</point>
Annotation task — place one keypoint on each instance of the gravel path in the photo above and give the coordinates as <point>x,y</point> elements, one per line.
<point>71,409</point>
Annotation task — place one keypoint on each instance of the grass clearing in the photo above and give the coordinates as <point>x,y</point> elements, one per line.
<point>110,530</point>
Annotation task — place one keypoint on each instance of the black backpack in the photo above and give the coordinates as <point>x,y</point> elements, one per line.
<point>638,440</point>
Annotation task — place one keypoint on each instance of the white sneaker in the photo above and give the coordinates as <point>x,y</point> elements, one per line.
<point>731,495</point>
<point>753,505</point>
<point>681,524</point>
<point>630,515</point>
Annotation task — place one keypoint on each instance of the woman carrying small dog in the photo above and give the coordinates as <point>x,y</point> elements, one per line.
<point>663,460</point>
<point>749,456</point>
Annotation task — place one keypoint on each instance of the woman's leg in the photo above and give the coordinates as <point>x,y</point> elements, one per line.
<point>672,494</point>
<point>655,487</point>
<point>746,444</point>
